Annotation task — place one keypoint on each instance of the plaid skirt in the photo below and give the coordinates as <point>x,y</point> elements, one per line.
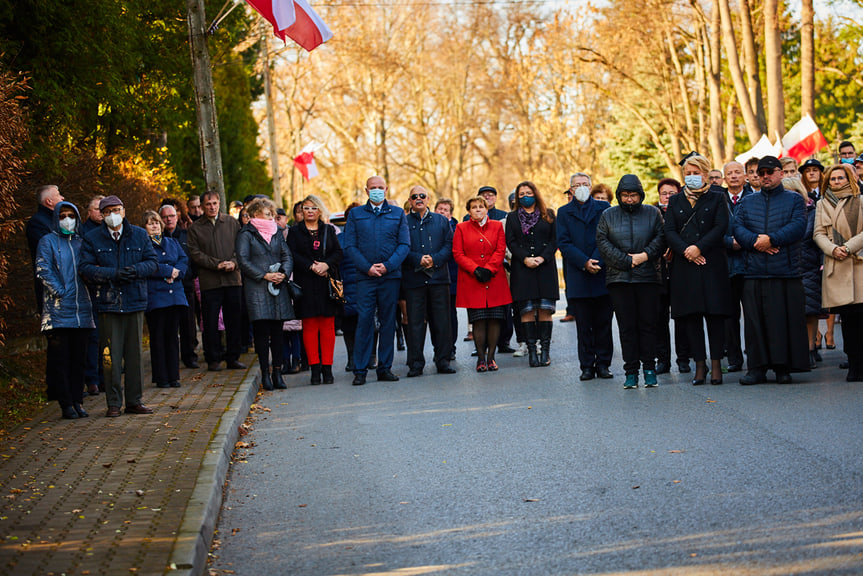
<point>492,313</point>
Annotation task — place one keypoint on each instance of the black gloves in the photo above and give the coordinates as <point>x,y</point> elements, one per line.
<point>482,274</point>
<point>126,274</point>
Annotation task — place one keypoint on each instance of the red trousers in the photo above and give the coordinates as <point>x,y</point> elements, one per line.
<point>319,339</point>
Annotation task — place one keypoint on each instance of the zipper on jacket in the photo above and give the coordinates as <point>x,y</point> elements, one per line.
<point>75,271</point>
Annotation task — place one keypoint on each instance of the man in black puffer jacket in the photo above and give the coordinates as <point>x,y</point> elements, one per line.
<point>631,239</point>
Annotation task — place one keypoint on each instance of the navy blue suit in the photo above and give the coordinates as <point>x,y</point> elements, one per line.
<point>371,238</point>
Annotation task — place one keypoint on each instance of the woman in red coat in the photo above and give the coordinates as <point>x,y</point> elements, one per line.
<point>478,248</point>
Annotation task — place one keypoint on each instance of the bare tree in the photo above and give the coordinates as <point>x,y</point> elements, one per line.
<point>807,59</point>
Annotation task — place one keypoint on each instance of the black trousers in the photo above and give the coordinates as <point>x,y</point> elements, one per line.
<point>593,324</point>
<point>189,326</point>
<point>774,318</point>
<point>506,327</point>
<point>732,323</point>
<point>268,340</point>
<point>852,330</point>
<point>163,324</point>
<point>663,344</point>
<point>229,299</point>
<point>637,311</point>
<point>693,326</point>
<point>428,303</point>
<point>64,376</point>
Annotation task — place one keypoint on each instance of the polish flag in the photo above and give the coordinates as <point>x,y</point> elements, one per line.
<point>804,139</point>
<point>295,19</point>
<point>305,162</point>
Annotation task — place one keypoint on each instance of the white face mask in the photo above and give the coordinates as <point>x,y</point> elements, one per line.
<point>582,193</point>
<point>113,220</point>
<point>68,224</point>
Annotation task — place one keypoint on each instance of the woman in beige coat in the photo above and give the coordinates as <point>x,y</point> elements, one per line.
<point>839,234</point>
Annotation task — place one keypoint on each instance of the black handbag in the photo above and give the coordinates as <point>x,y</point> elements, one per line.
<point>295,291</point>
<point>335,286</point>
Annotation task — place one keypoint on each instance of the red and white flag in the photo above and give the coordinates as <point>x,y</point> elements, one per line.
<point>804,139</point>
<point>295,19</point>
<point>305,162</point>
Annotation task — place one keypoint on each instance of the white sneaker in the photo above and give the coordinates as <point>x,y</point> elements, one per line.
<point>522,350</point>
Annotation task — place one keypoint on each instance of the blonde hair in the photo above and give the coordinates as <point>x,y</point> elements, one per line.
<point>700,162</point>
<point>849,174</point>
<point>323,213</point>
<point>258,205</point>
<point>796,185</point>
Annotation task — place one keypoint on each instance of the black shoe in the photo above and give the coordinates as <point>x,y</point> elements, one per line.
<point>445,369</point>
<point>783,377</point>
<point>162,385</point>
<point>812,361</point>
<point>175,384</point>
<point>266,382</point>
<point>683,367</point>
<point>193,364</point>
<point>603,372</point>
<point>359,380</point>
<point>349,367</point>
<point>69,413</point>
<point>80,411</point>
<point>735,368</point>
<point>387,376</point>
<point>474,354</point>
<point>413,372</point>
<point>843,365</point>
<point>587,374</point>
<point>505,349</point>
<point>818,357</point>
<point>316,374</point>
<point>700,373</point>
<point>278,383</point>
<point>663,367</point>
<point>236,365</point>
<point>214,366</point>
<point>754,377</point>
<point>327,373</point>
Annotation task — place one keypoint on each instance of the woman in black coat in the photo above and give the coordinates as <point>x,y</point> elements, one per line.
<point>695,224</point>
<point>531,237</point>
<point>265,261</point>
<point>317,254</point>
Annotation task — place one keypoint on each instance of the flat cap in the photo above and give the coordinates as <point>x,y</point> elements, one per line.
<point>109,201</point>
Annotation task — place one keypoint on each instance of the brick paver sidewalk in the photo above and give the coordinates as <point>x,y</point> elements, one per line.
<point>129,495</point>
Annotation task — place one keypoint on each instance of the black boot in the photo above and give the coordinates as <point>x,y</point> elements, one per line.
<point>530,335</point>
<point>327,373</point>
<point>545,340</point>
<point>266,382</point>
<point>400,337</point>
<point>316,373</point>
<point>349,346</point>
<point>278,383</point>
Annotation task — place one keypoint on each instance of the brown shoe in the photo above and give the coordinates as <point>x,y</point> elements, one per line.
<point>567,318</point>
<point>139,409</point>
<point>214,366</point>
<point>236,365</point>
<point>113,412</point>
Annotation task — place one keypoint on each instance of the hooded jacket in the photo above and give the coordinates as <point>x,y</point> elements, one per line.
<point>623,230</point>
<point>66,302</point>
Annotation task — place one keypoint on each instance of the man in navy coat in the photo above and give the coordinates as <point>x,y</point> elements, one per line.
<point>586,292</point>
<point>376,240</point>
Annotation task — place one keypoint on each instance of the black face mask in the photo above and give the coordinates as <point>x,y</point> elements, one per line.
<point>630,207</point>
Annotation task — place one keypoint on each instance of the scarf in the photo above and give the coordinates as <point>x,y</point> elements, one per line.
<point>157,239</point>
<point>693,195</point>
<point>266,228</point>
<point>528,220</point>
<point>846,223</point>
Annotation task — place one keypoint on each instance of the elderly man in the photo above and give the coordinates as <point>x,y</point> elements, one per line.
<point>586,292</point>
<point>211,241</point>
<point>735,180</point>
<point>376,240</point>
<point>117,259</point>
<point>188,325</point>
<point>94,216</point>
<point>39,225</point>
<point>426,281</point>
<point>769,227</point>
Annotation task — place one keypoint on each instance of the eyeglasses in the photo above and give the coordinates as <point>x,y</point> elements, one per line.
<point>310,208</point>
<point>113,210</point>
<point>418,196</point>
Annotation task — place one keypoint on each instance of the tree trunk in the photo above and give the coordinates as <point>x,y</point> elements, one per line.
<point>750,119</point>
<point>807,59</point>
<point>773,68</point>
<point>750,59</point>
<point>271,123</point>
<point>713,83</point>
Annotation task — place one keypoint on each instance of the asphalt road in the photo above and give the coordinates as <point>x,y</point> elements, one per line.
<point>530,471</point>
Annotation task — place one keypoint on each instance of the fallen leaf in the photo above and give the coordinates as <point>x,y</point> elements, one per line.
<point>302,505</point>
<point>636,487</point>
<point>530,499</point>
<point>108,465</point>
<point>675,451</point>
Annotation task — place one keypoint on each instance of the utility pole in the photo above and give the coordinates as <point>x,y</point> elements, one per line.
<point>208,127</point>
<point>271,124</point>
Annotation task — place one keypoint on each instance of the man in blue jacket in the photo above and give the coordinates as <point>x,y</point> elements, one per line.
<point>586,293</point>
<point>376,240</point>
<point>117,258</point>
<point>426,281</point>
<point>769,226</point>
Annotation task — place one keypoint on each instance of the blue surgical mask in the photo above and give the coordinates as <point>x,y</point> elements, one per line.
<point>527,201</point>
<point>846,160</point>
<point>377,195</point>
<point>693,181</point>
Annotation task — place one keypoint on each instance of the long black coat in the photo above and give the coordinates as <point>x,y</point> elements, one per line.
<point>532,283</point>
<point>695,289</point>
<point>316,296</point>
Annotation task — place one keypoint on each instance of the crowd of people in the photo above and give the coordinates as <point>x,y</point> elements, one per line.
<point>781,241</point>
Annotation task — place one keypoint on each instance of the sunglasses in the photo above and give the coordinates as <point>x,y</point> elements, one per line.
<point>765,172</point>
<point>418,196</point>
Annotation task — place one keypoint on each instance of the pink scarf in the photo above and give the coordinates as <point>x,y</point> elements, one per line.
<point>266,228</point>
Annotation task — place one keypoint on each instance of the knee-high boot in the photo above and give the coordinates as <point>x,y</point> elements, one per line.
<point>545,340</point>
<point>530,334</point>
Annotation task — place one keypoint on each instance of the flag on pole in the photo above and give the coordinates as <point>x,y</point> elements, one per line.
<point>295,19</point>
<point>804,139</point>
<point>305,162</point>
